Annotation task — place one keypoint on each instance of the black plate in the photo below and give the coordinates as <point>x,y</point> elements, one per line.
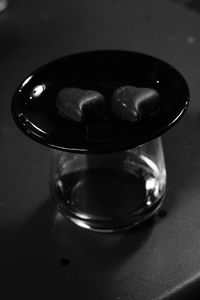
<point>34,109</point>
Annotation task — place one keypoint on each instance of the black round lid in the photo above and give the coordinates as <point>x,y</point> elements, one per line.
<point>34,102</point>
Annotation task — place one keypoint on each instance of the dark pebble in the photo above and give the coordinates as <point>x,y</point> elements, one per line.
<point>79,105</point>
<point>133,103</point>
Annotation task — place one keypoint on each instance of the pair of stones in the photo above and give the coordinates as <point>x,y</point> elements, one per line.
<point>127,103</point>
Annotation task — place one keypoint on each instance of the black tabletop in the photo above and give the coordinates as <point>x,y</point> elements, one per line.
<point>46,257</point>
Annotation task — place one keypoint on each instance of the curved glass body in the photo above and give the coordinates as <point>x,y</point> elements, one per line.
<point>109,192</point>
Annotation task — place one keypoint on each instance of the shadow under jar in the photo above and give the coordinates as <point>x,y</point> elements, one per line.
<point>110,176</point>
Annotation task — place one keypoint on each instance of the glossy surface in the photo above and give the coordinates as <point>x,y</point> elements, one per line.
<point>80,105</point>
<point>134,104</point>
<point>34,107</point>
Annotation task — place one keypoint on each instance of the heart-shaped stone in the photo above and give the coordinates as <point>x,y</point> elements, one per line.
<point>80,105</point>
<point>133,103</point>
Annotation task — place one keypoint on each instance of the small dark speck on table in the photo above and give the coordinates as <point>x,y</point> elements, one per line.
<point>65,261</point>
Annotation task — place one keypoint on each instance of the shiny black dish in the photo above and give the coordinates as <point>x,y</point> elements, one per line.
<point>34,108</point>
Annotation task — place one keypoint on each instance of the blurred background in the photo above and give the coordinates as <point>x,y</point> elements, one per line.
<point>43,256</point>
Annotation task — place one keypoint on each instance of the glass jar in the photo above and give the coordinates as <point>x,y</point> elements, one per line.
<point>109,192</point>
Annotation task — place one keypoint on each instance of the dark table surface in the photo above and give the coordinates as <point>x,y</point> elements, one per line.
<point>159,260</point>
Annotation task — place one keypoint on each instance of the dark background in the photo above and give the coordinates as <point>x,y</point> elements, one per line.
<point>43,256</point>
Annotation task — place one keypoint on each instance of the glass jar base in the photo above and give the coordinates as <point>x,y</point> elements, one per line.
<point>119,224</point>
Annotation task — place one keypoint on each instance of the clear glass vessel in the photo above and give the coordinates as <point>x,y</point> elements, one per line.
<point>107,174</point>
<point>109,192</point>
